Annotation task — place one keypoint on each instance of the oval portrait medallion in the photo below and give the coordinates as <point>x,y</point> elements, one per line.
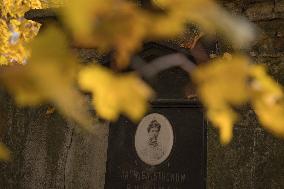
<point>154,139</point>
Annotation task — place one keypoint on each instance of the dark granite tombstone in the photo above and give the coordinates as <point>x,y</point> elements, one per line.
<point>167,149</point>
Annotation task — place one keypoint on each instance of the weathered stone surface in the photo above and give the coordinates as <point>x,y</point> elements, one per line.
<point>37,142</point>
<point>269,47</point>
<point>273,28</point>
<point>230,166</point>
<point>13,135</point>
<point>86,160</point>
<point>274,65</point>
<point>261,11</point>
<point>248,118</point>
<point>47,138</point>
<point>254,160</point>
<point>268,161</point>
<point>49,152</point>
<point>233,7</point>
<point>279,6</point>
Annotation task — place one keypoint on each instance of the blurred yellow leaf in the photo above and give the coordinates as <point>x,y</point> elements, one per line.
<point>232,81</point>
<point>209,16</point>
<point>267,99</point>
<point>223,83</point>
<point>49,76</point>
<point>4,152</point>
<point>122,26</point>
<point>224,119</point>
<point>107,24</point>
<point>223,80</point>
<point>114,94</point>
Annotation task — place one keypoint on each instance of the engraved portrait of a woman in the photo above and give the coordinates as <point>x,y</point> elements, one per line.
<point>153,150</point>
<point>154,139</point>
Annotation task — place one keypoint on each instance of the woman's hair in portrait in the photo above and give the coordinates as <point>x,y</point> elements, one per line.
<point>154,124</point>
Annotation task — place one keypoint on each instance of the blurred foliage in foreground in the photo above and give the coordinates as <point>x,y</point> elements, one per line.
<point>53,75</point>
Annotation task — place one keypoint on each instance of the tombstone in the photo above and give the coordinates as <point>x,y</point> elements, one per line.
<point>167,148</point>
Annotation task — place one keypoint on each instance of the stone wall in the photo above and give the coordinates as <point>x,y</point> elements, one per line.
<point>51,153</point>
<point>254,159</point>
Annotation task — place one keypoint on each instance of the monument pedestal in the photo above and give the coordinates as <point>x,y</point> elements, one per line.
<point>176,161</point>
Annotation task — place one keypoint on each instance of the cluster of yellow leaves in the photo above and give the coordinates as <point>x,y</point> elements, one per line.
<point>107,25</point>
<point>210,17</point>
<point>123,26</point>
<point>233,81</point>
<point>17,8</point>
<point>267,99</point>
<point>16,31</point>
<point>115,93</point>
<point>49,76</point>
